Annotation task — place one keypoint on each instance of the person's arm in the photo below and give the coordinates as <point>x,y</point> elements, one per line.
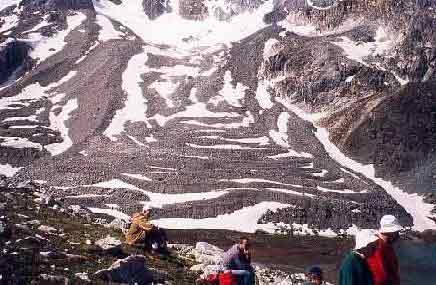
<point>145,224</point>
<point>228,258</point>
<point>390,262</point>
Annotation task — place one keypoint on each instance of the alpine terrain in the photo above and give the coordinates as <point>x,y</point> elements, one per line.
<point>246,115</point>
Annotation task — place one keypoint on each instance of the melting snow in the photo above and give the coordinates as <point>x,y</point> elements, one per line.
<point>42,45</point>
<point>244,220</point>
<point>232,94</point>
<point>57,122</point>
<point>281,138</point>
<point>137,176</point>
<point>107,31</point>
<point>412,203</point>
<point>136,105</point>
<point>8,170</point>
<point>320,174</point>
<point>263,96</point>
<point>358,51</point>
<point>221,146</point>
<point>287,191</point>
<point>158,200</point>
<point>204,33</point>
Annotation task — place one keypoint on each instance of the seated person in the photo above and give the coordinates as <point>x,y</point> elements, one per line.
<point>141,231</point>
<point>237,260</point>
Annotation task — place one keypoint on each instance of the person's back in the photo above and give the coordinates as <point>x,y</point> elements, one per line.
<point>354,271</point>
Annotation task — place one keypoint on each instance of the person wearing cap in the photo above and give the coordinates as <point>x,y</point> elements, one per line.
<point>314,276</point>
<point>141,231</point>
<point>384,263</point>
<point>354,269</point>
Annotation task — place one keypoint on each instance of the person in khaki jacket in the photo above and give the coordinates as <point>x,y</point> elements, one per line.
<point>140,229</point>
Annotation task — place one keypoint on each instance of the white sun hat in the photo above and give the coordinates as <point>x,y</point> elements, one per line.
<point>365,237</point>
<point>146,207</point>
<point>389,224</point>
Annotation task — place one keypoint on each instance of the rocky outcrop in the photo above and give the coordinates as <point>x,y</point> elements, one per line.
<point>155,8</point>
<point>394,134</point>
<point>131,270</point>
<point>193,9</point>
<point>57,4</point>
<point>13,58</point>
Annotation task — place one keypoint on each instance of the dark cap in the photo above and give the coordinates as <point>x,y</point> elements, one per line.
<point>315,271</point>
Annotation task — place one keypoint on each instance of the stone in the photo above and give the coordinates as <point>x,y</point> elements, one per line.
<point>131,270</point>
<point>119,224</point>
<point>108,243</point>
<point>57,279</point>
<point>47,229</point>
<point>83,276</point>
<point>4,230</point>
<point>33,223</point>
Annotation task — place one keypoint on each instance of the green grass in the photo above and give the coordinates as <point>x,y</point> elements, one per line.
<point>28,264</point>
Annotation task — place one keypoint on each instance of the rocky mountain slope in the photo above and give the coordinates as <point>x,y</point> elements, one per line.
<point>239,115</point>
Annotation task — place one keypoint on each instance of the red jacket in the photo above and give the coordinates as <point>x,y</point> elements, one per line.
<point>384,265</point>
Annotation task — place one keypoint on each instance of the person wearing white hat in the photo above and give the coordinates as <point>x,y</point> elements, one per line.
<point>384,262</point>
<point>354,269</point>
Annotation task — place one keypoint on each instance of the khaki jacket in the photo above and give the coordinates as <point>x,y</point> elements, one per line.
<point>139,229</point>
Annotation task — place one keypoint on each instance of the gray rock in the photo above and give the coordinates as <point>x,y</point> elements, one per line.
<point>119,224</point>
<point>132,269</point>
<point>108,243</point>
<point>57,279</point>
<point>3,229</point>
<point>47,229</point>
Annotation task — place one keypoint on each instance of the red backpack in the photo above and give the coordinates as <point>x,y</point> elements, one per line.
<point>228,279</point>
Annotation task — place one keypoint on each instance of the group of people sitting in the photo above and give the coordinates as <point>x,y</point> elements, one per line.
<point>372,261</point>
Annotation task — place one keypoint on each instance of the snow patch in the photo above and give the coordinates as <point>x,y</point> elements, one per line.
<point>158,200</point>
<point>8,170</point>
<point>58,122</point>
<point>135,106</point>
<point>244,220</point>
<point>413,203</point>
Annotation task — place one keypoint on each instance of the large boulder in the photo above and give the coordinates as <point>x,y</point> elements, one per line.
<point>131,270</point>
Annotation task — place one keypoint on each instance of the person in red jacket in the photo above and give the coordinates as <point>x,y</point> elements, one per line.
<point>384,263</point>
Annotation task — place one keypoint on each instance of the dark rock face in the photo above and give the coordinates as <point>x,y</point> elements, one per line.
<point>395,133</point>
<point>155,8</point>
<point>13,55</point>
<point>324,213</point>
<point>417,55</point>
<point>193,10</point>
<point>57,4</point>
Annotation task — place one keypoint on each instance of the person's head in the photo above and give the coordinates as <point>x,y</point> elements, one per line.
<point>244,243</point>
<point>390,228</point>
<point>315,275</point>
<point>146,211</point>
<point>366,242</point>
